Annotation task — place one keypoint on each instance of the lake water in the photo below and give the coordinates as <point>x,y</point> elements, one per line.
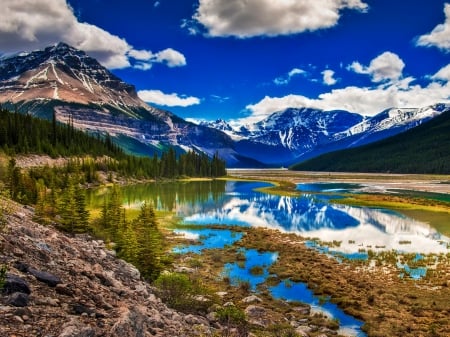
<point>312,215</point>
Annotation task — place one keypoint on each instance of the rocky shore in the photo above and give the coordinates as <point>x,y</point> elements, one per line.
<point>72,286</point>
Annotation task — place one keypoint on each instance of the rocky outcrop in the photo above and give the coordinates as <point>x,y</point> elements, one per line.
<point>63,286</point>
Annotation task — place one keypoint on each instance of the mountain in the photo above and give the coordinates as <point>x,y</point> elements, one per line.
<point>64,81</point>
<point>423,149</point>
<point>294,135</point>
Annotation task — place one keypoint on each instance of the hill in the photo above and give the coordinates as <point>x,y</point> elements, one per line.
<point>424,149</point>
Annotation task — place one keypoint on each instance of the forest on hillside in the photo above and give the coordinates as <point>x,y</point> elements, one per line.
<point>57,193</point>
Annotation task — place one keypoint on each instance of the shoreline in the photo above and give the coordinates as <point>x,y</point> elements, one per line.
<point>379,182</point>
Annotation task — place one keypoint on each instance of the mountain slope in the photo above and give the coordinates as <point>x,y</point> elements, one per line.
<point>424,149</point>
<point>64,81</point>
<point>294,135</point>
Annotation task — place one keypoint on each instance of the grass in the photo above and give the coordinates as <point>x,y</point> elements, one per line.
<point>388,304</point>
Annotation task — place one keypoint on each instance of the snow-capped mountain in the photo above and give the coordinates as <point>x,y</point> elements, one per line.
<point>294,135</point>
<point>64,81</point>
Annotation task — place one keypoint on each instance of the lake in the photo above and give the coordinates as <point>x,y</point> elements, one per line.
<point>354,230</point>
<point>311,215</point>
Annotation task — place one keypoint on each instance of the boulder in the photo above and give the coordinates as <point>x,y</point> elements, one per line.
<point>15,284</point>
<point>251,299</point>
<point>47,278</point>
<point>18,300</point>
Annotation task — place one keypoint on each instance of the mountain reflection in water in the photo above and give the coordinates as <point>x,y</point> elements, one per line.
<point>309,215</point>
<point>315,217</point>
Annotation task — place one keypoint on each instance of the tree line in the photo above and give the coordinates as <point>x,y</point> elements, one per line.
<point>58,195</point>
<point>25,134</point>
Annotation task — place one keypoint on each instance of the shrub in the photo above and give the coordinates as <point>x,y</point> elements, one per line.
<point>180,292</point>
<point>257,270</point>
<point>3,270</point>
<point>231,318</point>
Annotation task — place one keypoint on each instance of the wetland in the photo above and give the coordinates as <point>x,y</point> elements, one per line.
<point>320,240</point>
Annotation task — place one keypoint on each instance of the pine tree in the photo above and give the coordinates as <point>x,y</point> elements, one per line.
<point>150,243</point>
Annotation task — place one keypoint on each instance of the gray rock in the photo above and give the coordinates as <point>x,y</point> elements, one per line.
<point>251,299</point>
<point>254,311</point>
<point>256,315</point>
<point>79,309</point>
<point>45,277</point>
<point>303,330</point>
<point>195,320</point>
<point>18,300</point>
<point>303,310</point>
<point>76,329</point>
<point>15,284</point>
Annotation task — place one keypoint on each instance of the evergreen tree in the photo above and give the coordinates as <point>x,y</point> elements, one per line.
<point>149,243</point>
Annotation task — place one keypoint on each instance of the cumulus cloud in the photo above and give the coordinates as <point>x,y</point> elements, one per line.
<point>160,98</point>
<point>171,57</point>
<point>328,77</point>
<point>365,100</point>
<point>283,80</point>
<point>385,67</point>
<point>248,18</point>
<point>34,24</point>
<point>440,35</point>
<point>443,74</point>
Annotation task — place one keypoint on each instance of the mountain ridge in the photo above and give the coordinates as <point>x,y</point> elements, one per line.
<point>423,149</point>
<point>65,81</point>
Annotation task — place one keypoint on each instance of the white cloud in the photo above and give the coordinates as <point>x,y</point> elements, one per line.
<point>440,35</point>
<point>172,57</point>
<point>142,55</point>
<point>443,74</point>
<point>247,18</point>
<point>328,77</point>
<point>366,101</point>
<point>33,24</point>
<point>143,65</point>
<point>385,67</point>
<point>160,98</point>
<point>283,80</point>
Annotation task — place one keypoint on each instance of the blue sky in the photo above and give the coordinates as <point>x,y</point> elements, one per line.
<point>241,60</point>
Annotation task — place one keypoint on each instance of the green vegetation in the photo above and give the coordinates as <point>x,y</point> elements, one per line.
<point>233,319</point>
<point>183,293</point>
<point>24,134</point>
<point>3,271</point>
<point>423,149</point>
<point>58,195</point>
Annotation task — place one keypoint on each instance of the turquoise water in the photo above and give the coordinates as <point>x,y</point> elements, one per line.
<point>294,291</point>
<point>356,229</point>
<point>207,239</point>
<point>309,215</point>
<point>242,272</point>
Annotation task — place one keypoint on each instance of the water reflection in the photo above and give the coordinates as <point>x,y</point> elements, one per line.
<point>311,215</point>
<point>207,238</point>
<point>254,268</point>
<point>356,228</point>
<point>293,291</point>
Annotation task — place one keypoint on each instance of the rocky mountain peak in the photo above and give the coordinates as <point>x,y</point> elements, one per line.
<point>62,72</point>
